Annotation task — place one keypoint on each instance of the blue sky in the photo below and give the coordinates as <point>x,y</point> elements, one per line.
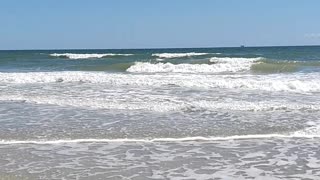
<point>60,24</point>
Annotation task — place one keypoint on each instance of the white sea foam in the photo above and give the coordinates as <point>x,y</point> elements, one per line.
<point>182,68</point>
<point>234,61</point>
<point>255,106</point>
<point>157,104</point>
<point>98,103</point>
<point>179,55</point>
<point>309,131</point>
<point>183,139</point>
<point>86,56</point>
<point>299,83</point>
<point>220,65</point>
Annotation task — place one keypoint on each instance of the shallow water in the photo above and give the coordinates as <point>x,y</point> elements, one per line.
<point>268,158</point>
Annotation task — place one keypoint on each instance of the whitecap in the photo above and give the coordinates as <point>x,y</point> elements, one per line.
<point>86,56</point>
<point>179,55</point>
<point>298,83</point>
<point>217,65</point>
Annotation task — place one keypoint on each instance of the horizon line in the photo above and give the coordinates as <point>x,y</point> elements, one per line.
<point>155,48</point>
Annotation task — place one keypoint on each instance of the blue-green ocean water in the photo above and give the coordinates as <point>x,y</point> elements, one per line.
<point>202,113</point>
<point>304,58</point>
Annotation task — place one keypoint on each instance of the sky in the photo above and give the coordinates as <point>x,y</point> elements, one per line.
<point>114,24</point>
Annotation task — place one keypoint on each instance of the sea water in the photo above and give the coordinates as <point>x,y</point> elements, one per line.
<point>204,113</point>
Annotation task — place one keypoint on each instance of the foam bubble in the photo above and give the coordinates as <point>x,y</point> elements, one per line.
<point>86,56</point>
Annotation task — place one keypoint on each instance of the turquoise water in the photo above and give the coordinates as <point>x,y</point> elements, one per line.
<point>205,113</point>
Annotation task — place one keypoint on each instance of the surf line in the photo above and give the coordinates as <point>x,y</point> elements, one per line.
<point>186,139</point>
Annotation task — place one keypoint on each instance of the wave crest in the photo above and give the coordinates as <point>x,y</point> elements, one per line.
<point>179,55</point>
<point>216,65</point>
<point>86,56</point>
<point>299,83</point>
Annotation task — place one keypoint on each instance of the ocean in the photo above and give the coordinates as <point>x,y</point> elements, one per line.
<point>195,113</point>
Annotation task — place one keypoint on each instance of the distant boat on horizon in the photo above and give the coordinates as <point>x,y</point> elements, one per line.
<point>242,46</point>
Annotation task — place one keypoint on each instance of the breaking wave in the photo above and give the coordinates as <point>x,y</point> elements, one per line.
<point>179,55</point>
<point>215,65</point>
<point>299,83</point>
<point>86,56</point>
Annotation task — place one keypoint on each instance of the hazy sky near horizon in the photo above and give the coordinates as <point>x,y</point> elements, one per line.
<point>59,24</point>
